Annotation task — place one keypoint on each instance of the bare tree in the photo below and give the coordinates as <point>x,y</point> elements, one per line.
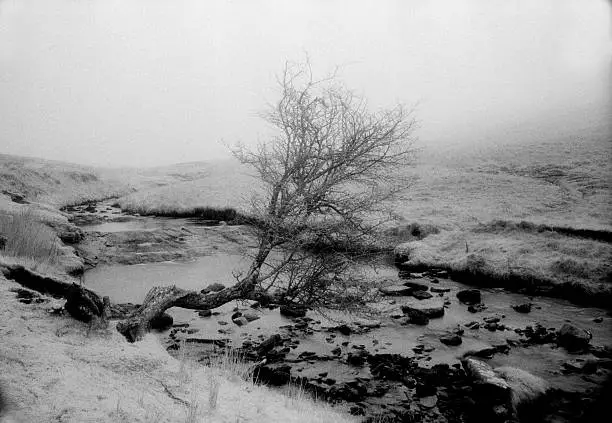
<point>328,174</point>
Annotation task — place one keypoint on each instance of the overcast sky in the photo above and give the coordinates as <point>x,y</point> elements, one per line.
<point>147,82</point>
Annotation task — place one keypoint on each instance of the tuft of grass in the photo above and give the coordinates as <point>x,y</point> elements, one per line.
<point>28,239</point>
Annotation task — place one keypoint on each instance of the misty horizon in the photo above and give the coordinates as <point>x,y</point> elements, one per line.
<point>120,84</point>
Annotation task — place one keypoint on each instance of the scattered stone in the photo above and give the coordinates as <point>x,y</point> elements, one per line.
<point>292,310</point>
<point>395,290</point>
<point>473,325</point>
<point>598,319</point>
<point>343,329</point>
<point>417,286</point>
<point>369,324</point>
<point>429,402</point>
<point>476,308</point>
<point>250,316</point>
<point>336,351</point>
<point>357,358</point>
<point>492,319</point>
<point>422,295</point>
<point>240,321</point>
<point>439,289</point>
<point>491,326</point>
<point>470,296</point>
<point>236,315</point>
<point>451,340</point>
<point>205,313</point>
<point>416,317</point>
<point>431,308</point>
<point>222,322</point>
<point>522,308</point>
<point>269,343</point>
<point>572,338</point>
<point>580,366</point>
<point>601,351</point>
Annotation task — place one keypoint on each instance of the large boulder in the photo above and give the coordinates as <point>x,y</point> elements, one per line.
<point>506,387</point>
<point>572,338</point>
<point>526,390</point>
<point>486,381</point>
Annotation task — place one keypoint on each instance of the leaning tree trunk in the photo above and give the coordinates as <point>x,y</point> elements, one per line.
<point>86,305</point>
<point>161,298</point>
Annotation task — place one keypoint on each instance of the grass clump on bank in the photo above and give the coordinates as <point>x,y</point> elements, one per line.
<point>227,214</point>
<point>26,240</point>
<point>508,255</point>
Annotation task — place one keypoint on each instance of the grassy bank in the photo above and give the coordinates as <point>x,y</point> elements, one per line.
<point>519,257</point>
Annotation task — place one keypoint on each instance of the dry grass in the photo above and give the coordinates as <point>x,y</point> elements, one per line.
<point>59,183</point>
<point>225,186</point>
<point>29,240</point>
<point>513,255</point>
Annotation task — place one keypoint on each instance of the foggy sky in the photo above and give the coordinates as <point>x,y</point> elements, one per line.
<point>149,82</point>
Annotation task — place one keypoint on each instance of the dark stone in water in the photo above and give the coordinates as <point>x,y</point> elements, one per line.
<point>343,329</point>
<point>292,310</point>
<point>205,313</point>
<point>421,295</point>
<point>451,340</point>
<point>269,343</point>
<point>439,289</point>
<point>572,338</point>
<point>417,286</point>
<point>580,366</point>
<point>358,357</point>
<point>476,308</point>
<point>469,296</point>
<point>522,308</point>
<point>240,321</point>
<point>417,317</point>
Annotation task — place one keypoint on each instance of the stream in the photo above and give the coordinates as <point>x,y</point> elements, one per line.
<point>331,348</point>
